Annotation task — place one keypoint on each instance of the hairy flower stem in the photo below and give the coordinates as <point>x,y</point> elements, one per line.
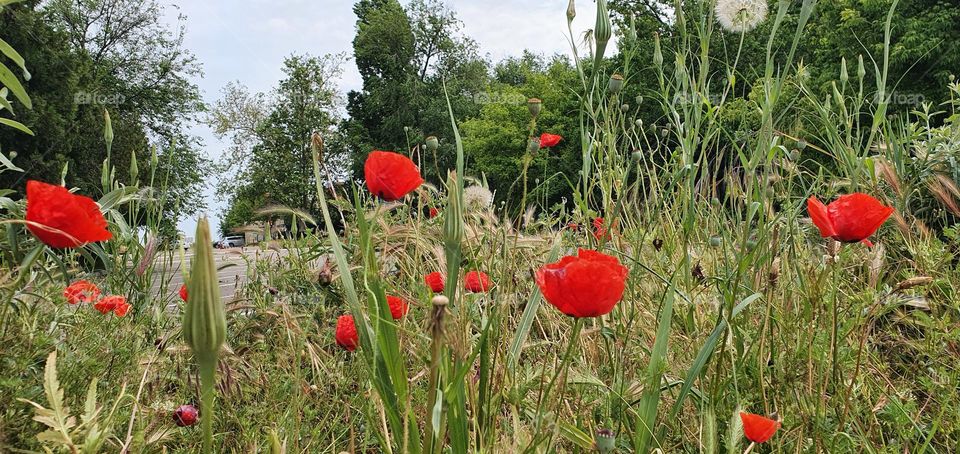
<point>208,369</point>
<point>574,338</point>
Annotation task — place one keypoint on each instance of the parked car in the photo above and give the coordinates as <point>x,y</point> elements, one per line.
<point>233,241</point>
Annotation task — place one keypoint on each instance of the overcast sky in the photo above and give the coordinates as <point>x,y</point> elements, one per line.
<point>247,40</point>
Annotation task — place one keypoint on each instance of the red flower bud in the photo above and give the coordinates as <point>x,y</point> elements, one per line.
<point>398,307</point>
<point>477,282</point>
<point>346,334</point>
<point>185,415</point>
<point>434,280</point>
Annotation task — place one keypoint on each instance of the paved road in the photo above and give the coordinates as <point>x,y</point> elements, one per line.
<point>232,265</point>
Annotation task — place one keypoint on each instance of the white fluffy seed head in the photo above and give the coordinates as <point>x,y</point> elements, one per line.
<point>741,16</point>
<point>477,197</point>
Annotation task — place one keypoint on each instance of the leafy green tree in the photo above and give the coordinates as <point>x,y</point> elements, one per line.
<point>271,161</point>
<point>496,140</point>
<point>405,56</point>
<point>91,56</point>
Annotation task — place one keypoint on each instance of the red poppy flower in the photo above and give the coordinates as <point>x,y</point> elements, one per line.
<point>183,292</point>
<point>477,282</point>
<point>434,212</point>
<point>63,220</point>
<point>548,140</point>
<point>573,226</point>
<point>390,176</point>
<point>758,429</point>
<point>398,307</point>
<point>110,303</point>
<point>346,334</point>
<point>185,415</point>
<point>122,308</point>
<point>599,231</point>
<point>81,292</point>
<point>851,218</point>
<point>435,281</point>
<point>588,285</point>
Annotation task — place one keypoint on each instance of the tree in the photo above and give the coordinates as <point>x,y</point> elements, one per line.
<point>275,131</point>
<point>404,57</point>
<point>96,55</point>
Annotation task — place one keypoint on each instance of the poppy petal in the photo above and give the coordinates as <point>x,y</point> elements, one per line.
<point>821,218</point>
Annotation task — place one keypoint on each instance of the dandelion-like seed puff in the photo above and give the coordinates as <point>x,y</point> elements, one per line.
<point>741,16</point>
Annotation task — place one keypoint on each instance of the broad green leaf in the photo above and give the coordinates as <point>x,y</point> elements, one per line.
<point>16,125</point>
<point>9,80</point>
<point>12,54</point>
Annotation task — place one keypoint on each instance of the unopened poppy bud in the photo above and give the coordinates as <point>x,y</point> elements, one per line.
<point>952,77</point>
<point>639,99</point>
<point>624,108</point>
<point>533,145</point>
<point>861,69</point>
<point>606,441</point>
<point>204,320</point>
<point>406,129</point>
<point>657,53</point>
<point>639,123</point>
<point>801,144</point>
<point>316,145</point>
<point>571,11</point>
<point>637,155</point>
<point>601,32</point>
<point>715,202</point>
<point>107,130</point>
<point>844,77</point>
<point>134,168</point>
<point>185,415</point>
<point>13,154</point>
<point>534,105</point>
<point>615,85</point>
<point>432,143</point>
<point>716,241</point>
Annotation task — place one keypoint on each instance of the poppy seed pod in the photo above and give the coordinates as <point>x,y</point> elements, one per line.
<point>637,155</point>
<point>533,145</point>
<point>606,441</point>
<point>204,320</point>
<point>432,143</point>
<point>615,85</point>
<point>624,108</point>
<point>534,105</point>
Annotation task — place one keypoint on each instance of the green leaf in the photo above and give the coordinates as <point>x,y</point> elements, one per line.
<point>16,125</point>
<point>529,313</point>
<point>10,81</point>
<point>12,54</point>
<point>8,163</point>
<point>647,413</point>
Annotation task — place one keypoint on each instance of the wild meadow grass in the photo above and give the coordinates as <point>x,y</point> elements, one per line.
<point>734,302</point>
